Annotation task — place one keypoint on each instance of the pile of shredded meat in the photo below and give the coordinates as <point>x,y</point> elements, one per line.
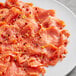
<point>31,38</point>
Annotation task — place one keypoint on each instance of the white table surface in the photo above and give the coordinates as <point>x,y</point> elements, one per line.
<point>72,5</point>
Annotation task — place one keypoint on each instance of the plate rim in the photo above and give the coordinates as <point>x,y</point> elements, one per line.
<point>74,15</point>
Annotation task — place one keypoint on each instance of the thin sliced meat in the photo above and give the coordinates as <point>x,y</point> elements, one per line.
<point>1,5</point>
<point>31,38</point>
<point>13,70</point>
<point>41,16</point>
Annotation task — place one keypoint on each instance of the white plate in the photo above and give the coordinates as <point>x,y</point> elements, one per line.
<point>64,67</point>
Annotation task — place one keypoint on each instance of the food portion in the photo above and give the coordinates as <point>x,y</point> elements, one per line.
<point>31,38</point>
